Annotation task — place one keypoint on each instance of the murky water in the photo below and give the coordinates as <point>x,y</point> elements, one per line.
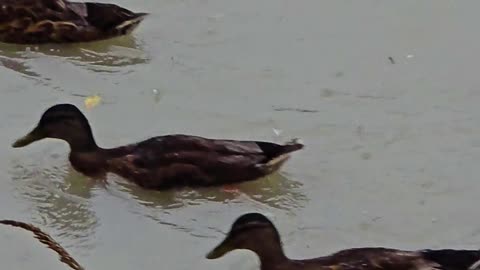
<point>392,144</point>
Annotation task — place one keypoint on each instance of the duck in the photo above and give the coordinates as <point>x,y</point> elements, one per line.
<point>62,21</point>
<point>256,233</point>
<point>160,162</point>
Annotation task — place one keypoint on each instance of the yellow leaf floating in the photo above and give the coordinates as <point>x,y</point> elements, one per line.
<point>92,101</point>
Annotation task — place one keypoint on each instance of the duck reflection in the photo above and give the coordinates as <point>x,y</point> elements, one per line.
<point>184,209</point>
<point>101,56</point>
<point>61,198</point>
<point>59,202</point>
<point>276,191</point>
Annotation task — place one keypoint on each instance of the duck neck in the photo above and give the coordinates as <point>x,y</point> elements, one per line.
<point>83,147</point>
<point>82,141</point>
<point>271,255</point>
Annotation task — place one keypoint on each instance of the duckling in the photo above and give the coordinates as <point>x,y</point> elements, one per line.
<point>61,21</point>
<point>255,232</point>
<point>160,162</point>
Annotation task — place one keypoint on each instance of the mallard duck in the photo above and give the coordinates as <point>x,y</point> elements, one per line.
<point>257,233</point>
<point>160,162</point>
<point>61,21</point>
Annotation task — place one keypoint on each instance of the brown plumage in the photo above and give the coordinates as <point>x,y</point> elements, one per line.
<point>256,233</point>
<point>47,240</point>
<point>61,21</point>
<point>160,162</point>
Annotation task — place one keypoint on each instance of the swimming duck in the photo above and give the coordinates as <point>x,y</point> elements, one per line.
<point>160,162</point>
<point>257,233</point>
<point>61,21</point>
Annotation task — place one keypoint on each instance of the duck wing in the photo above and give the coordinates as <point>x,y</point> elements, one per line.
<point>37,11</point>
<point>43,21</point>
<point>231,151</point>
<point>108,18</point>
<point>451,259</point>
<point>184,160</point>
<point>391,259</point>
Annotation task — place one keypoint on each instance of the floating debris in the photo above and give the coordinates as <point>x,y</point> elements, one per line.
<point>392,61</point>
<point>92,101</point>
<point>216,17</point>
<point>47,240</point>
<point>287,109</point>
<point>157,95</point>
<point>339,74</point>
<point>277,132</point>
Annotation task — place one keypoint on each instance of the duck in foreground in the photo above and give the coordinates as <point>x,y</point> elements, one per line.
<point>256,233</point>
<point>61,21</point>
<point>160,162</point>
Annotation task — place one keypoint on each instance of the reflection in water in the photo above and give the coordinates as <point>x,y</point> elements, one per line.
<point>275,191</point>
<point>59,202</point>
<point>61,199</point>
<point>170,207</point>
<point>101,56</point>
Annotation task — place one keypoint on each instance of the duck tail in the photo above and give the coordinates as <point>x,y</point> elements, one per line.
<point>46,239</point>
<point>292,146</point>
<point>274,164</point>
<point>127,26</point>
<point>277,154</point>
<point>454,259</point>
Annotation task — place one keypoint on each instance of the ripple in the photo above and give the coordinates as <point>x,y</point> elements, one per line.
<point>191,210</point>
<point>275,191</point>
<point>59,199</point>
<point>107,56</point>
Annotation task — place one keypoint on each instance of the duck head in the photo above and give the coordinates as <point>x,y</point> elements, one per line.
<point>253,232</point>
<point>65,122</point>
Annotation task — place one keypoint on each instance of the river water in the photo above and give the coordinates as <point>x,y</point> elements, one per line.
<point>383,93</point>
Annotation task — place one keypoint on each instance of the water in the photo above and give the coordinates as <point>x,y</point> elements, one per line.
<point>391,148</point>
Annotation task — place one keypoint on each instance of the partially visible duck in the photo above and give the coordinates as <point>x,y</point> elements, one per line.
<point>160,162</point>
<point>256,233</point>
<point>62,21</point>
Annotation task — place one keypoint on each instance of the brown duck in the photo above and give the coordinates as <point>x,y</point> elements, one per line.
<point>61,21</point>
<point>160,162</point>
<point>256,233</point>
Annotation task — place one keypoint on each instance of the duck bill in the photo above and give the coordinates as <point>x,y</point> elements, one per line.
<point>220,250</point>
<point>35,135</point>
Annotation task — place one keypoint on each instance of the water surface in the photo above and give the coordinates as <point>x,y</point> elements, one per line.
<point>391,146</point>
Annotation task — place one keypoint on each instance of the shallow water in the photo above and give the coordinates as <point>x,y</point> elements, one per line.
<point>391,146</point>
